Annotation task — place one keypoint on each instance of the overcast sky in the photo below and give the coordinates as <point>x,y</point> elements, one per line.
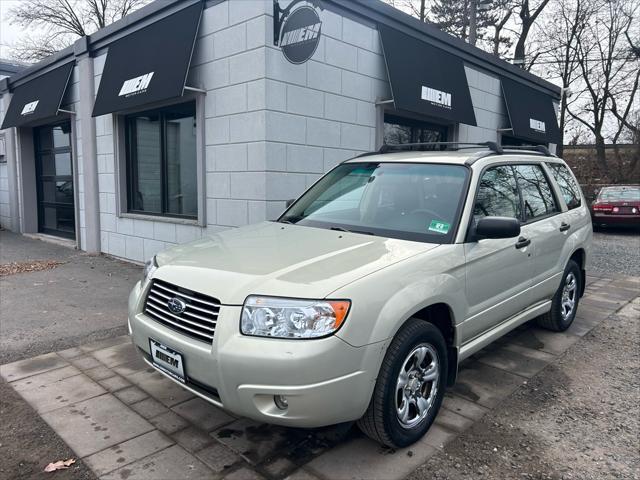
<point>8,33</point>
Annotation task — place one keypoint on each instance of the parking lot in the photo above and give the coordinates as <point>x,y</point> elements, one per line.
<point>616,252</point>
<point>521,407</point>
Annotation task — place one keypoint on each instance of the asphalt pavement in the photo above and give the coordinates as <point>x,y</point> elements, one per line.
<point>82,300</point>
<point>616,251</point>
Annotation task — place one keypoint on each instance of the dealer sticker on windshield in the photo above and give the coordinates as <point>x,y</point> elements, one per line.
<point>439,227</point>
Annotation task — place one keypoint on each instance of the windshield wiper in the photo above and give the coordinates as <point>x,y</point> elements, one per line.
<point>340,229</point>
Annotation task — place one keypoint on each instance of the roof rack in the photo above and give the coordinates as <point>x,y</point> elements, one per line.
<point>493,146</point>
<point>533,148</point>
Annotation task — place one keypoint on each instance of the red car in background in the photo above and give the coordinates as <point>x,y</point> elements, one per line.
<point>617,206</point>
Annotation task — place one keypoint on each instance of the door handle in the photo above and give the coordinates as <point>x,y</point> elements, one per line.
<point>564,227</point>
<point>523,242</point>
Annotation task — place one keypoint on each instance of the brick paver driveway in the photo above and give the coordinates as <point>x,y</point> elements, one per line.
<point>129,422</point>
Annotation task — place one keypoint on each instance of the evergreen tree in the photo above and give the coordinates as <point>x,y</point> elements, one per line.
<point>452,16</point>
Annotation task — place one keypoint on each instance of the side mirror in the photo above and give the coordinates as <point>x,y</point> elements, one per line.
<point>497,227</point>
<point>290,202</point>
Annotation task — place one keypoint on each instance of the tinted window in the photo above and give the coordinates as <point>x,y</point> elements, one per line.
<point>497,194</point>
<point>536,192</point>
<point>161,156</point>
<point>568,186</point>
<point>410,201</point>
<point>404,130</point>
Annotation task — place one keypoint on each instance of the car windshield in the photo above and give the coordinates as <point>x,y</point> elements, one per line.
<point>619,194</point>
<point>412,201</point>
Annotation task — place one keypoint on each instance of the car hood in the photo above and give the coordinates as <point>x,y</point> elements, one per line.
<point>279,259</point>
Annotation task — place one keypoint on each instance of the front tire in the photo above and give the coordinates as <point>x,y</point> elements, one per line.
<point>565,301</point>
<point>410,387</point>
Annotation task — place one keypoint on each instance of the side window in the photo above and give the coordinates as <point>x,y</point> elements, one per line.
<point>568,186</point>
<point>497,194</point>
<point>536,192</point>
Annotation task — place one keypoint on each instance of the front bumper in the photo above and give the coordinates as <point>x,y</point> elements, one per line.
<point>326,381</point>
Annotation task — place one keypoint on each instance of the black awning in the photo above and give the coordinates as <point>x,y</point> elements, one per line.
<point>39,98</point>
<point>531,113</point>
<point>149,65</point>
<point>425,79</point>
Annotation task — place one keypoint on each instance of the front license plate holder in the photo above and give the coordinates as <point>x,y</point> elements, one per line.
<point>168,360</point>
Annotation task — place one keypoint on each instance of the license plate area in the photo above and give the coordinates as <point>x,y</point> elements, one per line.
<point>167,359</point>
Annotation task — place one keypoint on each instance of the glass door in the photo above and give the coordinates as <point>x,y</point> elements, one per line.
<point>54,177</point>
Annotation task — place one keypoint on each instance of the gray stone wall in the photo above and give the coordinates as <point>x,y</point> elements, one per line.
<point>488,105</point>
<point>323,111</point>
<point>5,210</point>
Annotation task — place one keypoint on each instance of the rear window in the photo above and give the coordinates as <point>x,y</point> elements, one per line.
<point>613,194</point>
<point>568,186</point>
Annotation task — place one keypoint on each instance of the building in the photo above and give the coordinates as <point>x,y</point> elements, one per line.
<point>192,116</point>
<point>8,68</point>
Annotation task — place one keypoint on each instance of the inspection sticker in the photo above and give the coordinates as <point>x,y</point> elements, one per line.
<point>439,227</point>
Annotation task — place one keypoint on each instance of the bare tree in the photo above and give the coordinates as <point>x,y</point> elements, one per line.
<point>58,23</point>
<point>610,73</point>
<point>415,8</point>
<point>528,15</point>
<point>565,27</point>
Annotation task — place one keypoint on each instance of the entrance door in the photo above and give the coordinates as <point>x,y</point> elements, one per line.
<point>54,177</point>
<point>499,271</point>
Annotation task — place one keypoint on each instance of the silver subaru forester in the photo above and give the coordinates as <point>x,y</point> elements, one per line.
<point>361,300</point>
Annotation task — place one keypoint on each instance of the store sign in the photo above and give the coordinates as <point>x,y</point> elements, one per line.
<point>300,34</point>
<point>29,108</point>
<point>537,125</point>
<point>436,97</point>
<point>135,86</point>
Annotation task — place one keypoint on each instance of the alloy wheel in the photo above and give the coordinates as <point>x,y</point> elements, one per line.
<point>417,385</point>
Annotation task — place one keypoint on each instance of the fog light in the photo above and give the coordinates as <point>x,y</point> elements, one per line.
<point>281,402</point>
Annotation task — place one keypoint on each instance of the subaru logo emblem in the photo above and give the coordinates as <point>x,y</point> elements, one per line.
<point>176,305</point>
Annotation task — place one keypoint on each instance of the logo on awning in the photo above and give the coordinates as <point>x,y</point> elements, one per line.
<point>29,108</point>
<point>300,34</point>
<point>537,125</point>
<point>135,86</point>
<point>436,97</point>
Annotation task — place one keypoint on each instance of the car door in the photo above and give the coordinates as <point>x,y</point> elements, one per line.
<point>498,273</point>
<point>545,226</point>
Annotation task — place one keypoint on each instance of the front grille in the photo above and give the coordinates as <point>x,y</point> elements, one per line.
<point>199,317</point>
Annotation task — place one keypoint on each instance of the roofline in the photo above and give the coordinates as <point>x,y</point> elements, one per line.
<point>380,12</point>
<point>373,10</point>
<point>11,67</point>
<point>136,20</point>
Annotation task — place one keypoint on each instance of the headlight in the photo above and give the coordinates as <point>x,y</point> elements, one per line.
<point>149,267</point>
<point>292,318</point>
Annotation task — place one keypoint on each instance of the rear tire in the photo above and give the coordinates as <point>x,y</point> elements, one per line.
<point>410,386</point>
<point>565,301</point>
